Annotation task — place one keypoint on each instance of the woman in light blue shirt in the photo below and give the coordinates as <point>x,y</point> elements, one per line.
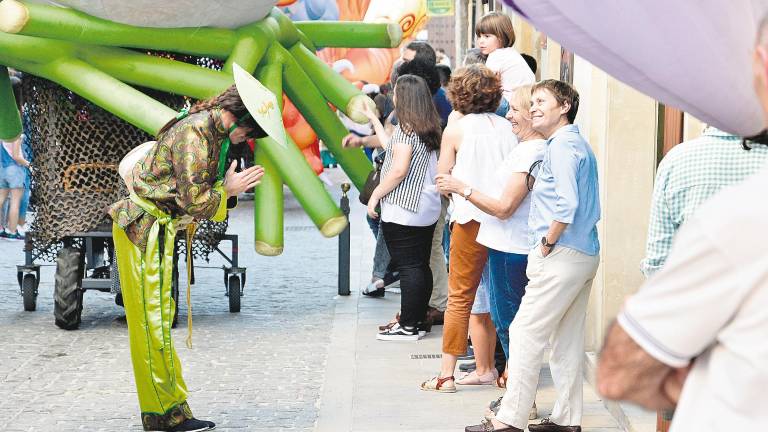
<point>565,208</point>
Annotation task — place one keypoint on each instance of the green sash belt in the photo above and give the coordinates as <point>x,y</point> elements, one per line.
<point>159,268</point>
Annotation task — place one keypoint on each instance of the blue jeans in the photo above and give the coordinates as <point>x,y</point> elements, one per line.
<point>503,108</point>
<point>506,287</point>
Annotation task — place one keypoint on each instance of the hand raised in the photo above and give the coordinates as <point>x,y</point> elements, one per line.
<point>350,141</point>
<point>236,183</point>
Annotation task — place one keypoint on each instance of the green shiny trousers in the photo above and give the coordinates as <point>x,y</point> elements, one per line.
<point>145,280</point>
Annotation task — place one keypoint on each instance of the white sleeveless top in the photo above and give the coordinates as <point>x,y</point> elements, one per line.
<point>486,142</point>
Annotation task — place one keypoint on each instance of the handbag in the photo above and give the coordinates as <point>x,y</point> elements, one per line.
<point>372,182</point>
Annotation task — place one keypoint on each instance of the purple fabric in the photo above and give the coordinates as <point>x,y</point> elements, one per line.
<point>695,56</point>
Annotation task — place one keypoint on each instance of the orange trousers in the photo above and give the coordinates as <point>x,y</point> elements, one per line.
<point>467,259</point>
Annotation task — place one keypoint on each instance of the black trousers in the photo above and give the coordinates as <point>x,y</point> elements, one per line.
<point>410,249</point>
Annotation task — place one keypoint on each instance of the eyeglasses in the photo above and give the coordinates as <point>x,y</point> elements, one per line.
<point>530,178</point>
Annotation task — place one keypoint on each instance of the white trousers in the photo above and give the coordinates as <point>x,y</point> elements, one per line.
<point>554,305</point>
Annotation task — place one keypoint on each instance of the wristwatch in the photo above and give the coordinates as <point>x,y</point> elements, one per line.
<point>544,243</point>
<point>467,192</point>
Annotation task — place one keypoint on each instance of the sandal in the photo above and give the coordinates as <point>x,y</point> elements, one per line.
<point>437,384</point>
<point>390,324</point>
<point>501,381</point>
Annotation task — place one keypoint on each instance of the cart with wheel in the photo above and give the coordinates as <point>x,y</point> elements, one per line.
<point>79,145</point>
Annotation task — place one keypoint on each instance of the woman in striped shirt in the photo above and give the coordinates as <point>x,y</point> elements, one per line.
<point>410,203</point>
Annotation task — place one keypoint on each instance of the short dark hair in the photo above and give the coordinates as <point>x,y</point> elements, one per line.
<point>444,72</point>
<point>531,62</point>
<point>499,25</point>
<point>423,69</point>
<point>563,93</point>
<point>424,51</point>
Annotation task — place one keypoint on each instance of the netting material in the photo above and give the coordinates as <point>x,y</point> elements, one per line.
<point>77,147</point>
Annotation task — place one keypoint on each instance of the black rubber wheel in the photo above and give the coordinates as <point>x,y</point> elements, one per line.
<point>175,294</point>
<point>233,291</point>
<point>28,292</point>
<point>67,293</point>
<point>119,299</point>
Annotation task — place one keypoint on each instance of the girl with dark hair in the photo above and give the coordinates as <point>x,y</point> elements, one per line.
<point>182,178</point>
<point>495,38</point>
<point>410,203</point>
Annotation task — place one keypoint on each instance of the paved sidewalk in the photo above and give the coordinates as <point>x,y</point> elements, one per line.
<point>258,370</point>
<point>373,385</point>
<point>296,358</point>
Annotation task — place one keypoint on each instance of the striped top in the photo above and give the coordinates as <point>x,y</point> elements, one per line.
<point>408,193</point>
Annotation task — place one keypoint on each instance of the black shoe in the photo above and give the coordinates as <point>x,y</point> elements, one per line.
<point>437,317</point>
<point>467,367</point>
<point>547,426</point>
<point>399,333</point>
<point>193,425</point>
<point>377,293</point>
<point>374,289</point>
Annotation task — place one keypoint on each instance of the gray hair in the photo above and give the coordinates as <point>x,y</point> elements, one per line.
<point>473,56</point>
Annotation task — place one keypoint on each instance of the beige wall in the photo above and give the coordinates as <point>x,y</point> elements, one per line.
<point>621,126</point>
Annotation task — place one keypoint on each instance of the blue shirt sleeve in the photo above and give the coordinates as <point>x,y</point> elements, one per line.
<point>564,162</point>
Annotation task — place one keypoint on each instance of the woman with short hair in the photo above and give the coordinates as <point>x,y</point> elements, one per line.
<point>472,149</point>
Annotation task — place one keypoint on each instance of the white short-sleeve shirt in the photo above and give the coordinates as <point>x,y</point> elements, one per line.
<point>709,305</point>
<point>512,68</point>
<point>511,235</point>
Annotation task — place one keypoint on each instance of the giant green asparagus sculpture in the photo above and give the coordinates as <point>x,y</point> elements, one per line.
<point>91,57</point>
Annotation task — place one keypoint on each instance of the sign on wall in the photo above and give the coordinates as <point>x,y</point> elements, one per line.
<point>439,7</point>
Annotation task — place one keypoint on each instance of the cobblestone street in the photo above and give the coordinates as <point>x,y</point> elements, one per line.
<point>261,369</point>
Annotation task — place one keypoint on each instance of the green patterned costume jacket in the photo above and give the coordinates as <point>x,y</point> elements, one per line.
<point>179,175</point>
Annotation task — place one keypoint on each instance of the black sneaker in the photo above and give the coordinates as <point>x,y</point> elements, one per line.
<point>399,333</point>
<point>467,367</point>
<point>193,425</point>
<point>14,236</point>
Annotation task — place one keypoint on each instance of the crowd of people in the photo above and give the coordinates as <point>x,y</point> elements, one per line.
<point>513,184</point>
<point>507,175</point>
